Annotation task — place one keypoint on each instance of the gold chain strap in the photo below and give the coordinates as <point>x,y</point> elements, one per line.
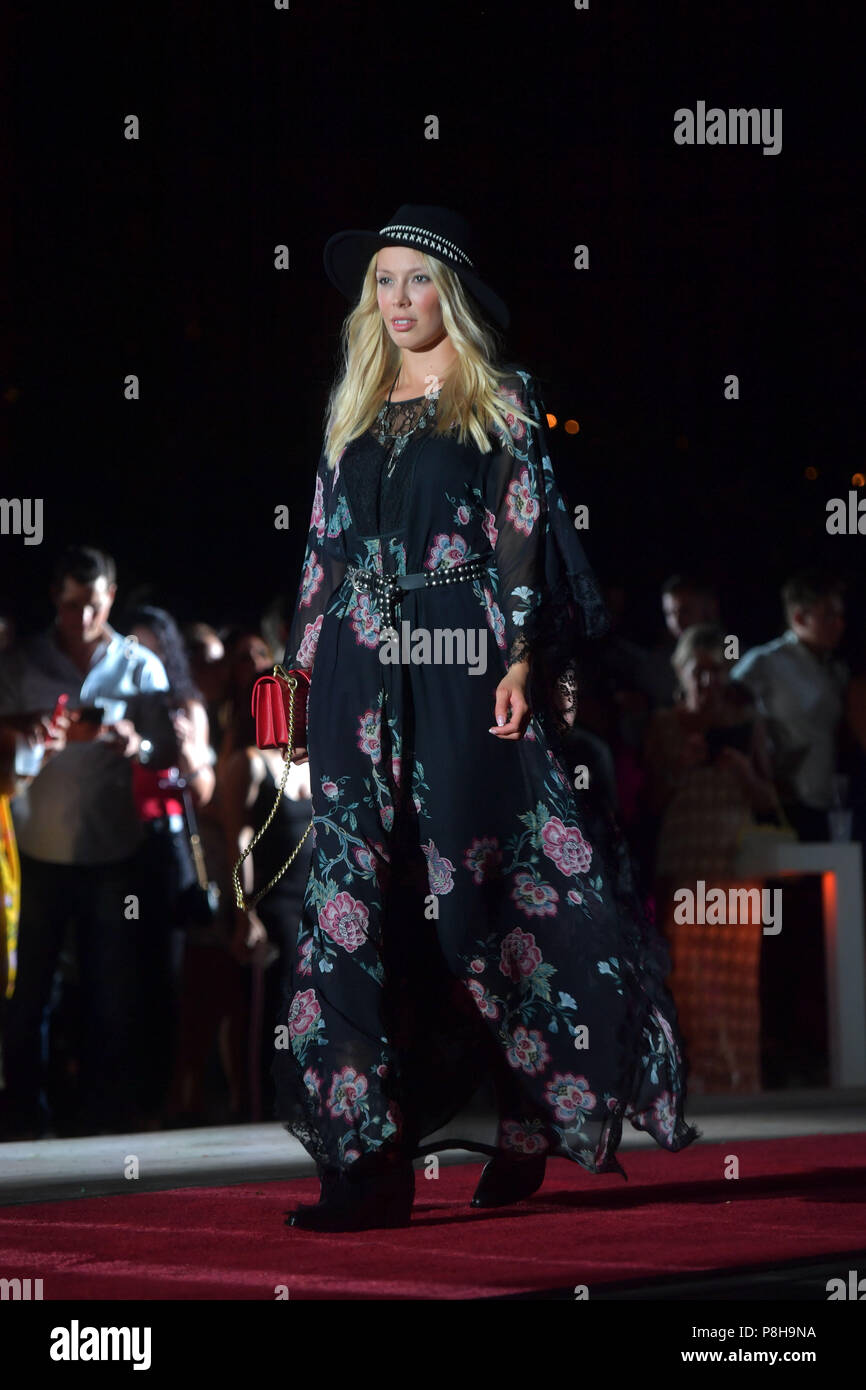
<point>241,902</point>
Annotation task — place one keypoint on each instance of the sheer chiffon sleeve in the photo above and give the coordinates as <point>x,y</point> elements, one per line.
<point>548,593</point>
<point>323,570</point>
<point>514,502</point>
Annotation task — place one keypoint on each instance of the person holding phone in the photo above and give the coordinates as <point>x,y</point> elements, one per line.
<point>77,832</point>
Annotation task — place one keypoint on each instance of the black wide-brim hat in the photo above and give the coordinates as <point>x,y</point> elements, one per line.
<point>437,231</point>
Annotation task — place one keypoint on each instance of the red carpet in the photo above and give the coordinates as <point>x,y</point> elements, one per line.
<point>794,1198</point>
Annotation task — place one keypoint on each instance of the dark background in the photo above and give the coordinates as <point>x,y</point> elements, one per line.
<point>261,127</point>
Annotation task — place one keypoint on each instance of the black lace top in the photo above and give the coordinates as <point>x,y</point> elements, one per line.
<point>378,497</point>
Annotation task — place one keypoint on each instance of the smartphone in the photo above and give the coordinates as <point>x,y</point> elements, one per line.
<point>59,708</point>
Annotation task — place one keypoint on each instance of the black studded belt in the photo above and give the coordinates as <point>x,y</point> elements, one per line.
<point>389,587</point>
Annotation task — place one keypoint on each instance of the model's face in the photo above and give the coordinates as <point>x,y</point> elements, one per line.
<point>408,299</point>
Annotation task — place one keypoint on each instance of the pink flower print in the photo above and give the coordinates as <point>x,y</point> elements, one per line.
<point>386,816</point>
<point>313,1082</point>
<point>523,1139</point>
<point>364,859</point>
<point>348,1088</point>
<point>331,790</point>
<point>344,920</point>
<point>462,514</point>
<point>530,732</point>
<point>367,860</point>
<point>574,897</point>
<point>487,1007</point>
<point>662,1114</point>
<point>535,899</point>
<point>365,621</point>
<point>445,552</point>
<point>519,956</point>
<point>369,734</point>
<point>352,1155</point>
<point>303,1012</point>
<point>307,649</point>
<point>317,521</point>
<point>529,1052</point>
<point>483,859</point>
<point>565,845</point>
<point>489,528</point>
<point>396,765</point>
<point>495,620</point>
<point>439,870</point>
<point>517,427</point>
<point>311,580</point>
<point>522,505</point>
<point>569,1095</point>
<point>477,966</point>
<point>305,956</point>
<point>668,1033</point>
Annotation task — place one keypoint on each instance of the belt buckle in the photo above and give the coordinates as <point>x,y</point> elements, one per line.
<point>359,584</point>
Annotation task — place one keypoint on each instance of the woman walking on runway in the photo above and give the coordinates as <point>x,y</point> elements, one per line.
<point>466,913</point>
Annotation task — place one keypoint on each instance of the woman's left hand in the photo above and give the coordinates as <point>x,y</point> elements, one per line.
<point>511,691</point>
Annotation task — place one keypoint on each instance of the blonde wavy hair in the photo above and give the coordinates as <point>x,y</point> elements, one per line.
<point>470,398</point>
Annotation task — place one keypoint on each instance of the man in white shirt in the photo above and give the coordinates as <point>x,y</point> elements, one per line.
<point>78,833</point>
<point>799,687</point>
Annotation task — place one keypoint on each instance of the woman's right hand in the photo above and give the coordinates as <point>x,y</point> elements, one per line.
<point>300,755</point>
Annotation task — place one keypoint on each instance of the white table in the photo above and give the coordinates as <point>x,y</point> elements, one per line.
<point>841,870</point>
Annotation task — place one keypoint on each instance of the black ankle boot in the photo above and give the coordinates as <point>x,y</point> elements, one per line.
<point>506,1179</point>
<point>359,1201</point>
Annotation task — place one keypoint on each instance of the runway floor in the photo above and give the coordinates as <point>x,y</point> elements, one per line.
<point>56,1169</point>
<point>676,1231</point>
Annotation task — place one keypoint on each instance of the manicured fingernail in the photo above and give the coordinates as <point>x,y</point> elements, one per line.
<point>500,718</point>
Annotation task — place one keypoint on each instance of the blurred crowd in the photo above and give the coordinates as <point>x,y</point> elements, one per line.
<point>136,994</point>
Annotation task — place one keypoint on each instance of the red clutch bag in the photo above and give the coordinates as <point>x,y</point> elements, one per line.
<point>280,709</point>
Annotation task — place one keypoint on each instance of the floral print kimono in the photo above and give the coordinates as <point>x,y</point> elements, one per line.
<point>466,915</point>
